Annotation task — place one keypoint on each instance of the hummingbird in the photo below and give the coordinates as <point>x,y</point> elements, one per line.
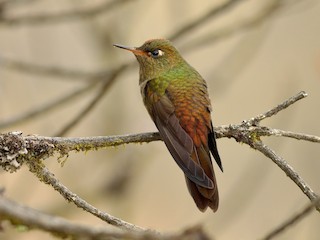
<point>177,100</point>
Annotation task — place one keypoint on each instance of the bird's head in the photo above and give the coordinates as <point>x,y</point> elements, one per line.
<point>155,57</point>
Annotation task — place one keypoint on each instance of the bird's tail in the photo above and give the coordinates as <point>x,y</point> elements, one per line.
<point>204,197</point>
<point>203,201</point>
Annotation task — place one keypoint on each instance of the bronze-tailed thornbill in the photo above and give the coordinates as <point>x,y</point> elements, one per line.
<point>177,100</point>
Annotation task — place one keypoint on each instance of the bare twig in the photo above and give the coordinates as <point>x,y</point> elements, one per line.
<point>61,17</point>
<point>297,136</point>
<point>291,173</point>
<point>275,110</point>
<point>292,220</point>
<point>240,131</point>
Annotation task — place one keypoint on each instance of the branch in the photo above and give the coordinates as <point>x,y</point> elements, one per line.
<point>291,173</point>
<point>297,136</point>
<point>243,132</point>
<point>52,71</point>
<point>280,107</point>
<point>293,220</point>
<point>59,17</point>
<point>47,177</point>
<point>16,149</point>
<point>22,215</point>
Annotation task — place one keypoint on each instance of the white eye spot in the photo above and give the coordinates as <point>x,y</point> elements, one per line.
<point>161,53</point>
<point>156,53</point>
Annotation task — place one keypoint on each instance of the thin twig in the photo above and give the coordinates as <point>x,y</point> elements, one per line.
<point>291,173</point>
<point>292,220</point>
<point>297,136</point>
<point>240,131</point>
<point>61,17</point>
<point>278,108</point>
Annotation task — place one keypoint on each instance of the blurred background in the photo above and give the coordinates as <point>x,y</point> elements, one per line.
<point>56,58</point>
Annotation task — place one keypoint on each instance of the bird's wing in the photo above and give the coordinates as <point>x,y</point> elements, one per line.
<point>178,142</point>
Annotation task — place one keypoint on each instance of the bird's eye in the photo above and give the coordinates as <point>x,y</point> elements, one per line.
<point>156,53</point>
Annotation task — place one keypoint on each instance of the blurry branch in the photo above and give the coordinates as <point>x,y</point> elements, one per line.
<point>6,3</point>
<point>21,215</point>
<point>63,16</point>
<point>18,215</point>
<point>215,11</point>
<point>260,17</point>
<point>101,92</point>
<point>58,72</point>
<point>50,71</point>
<point>122,179</point>
<point>44,108</point>
<point>106,77</point>
<point>209,39</point>
<point>292,220</point>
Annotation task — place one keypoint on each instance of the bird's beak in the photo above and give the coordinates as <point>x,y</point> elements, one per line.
<point>134,50</point>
